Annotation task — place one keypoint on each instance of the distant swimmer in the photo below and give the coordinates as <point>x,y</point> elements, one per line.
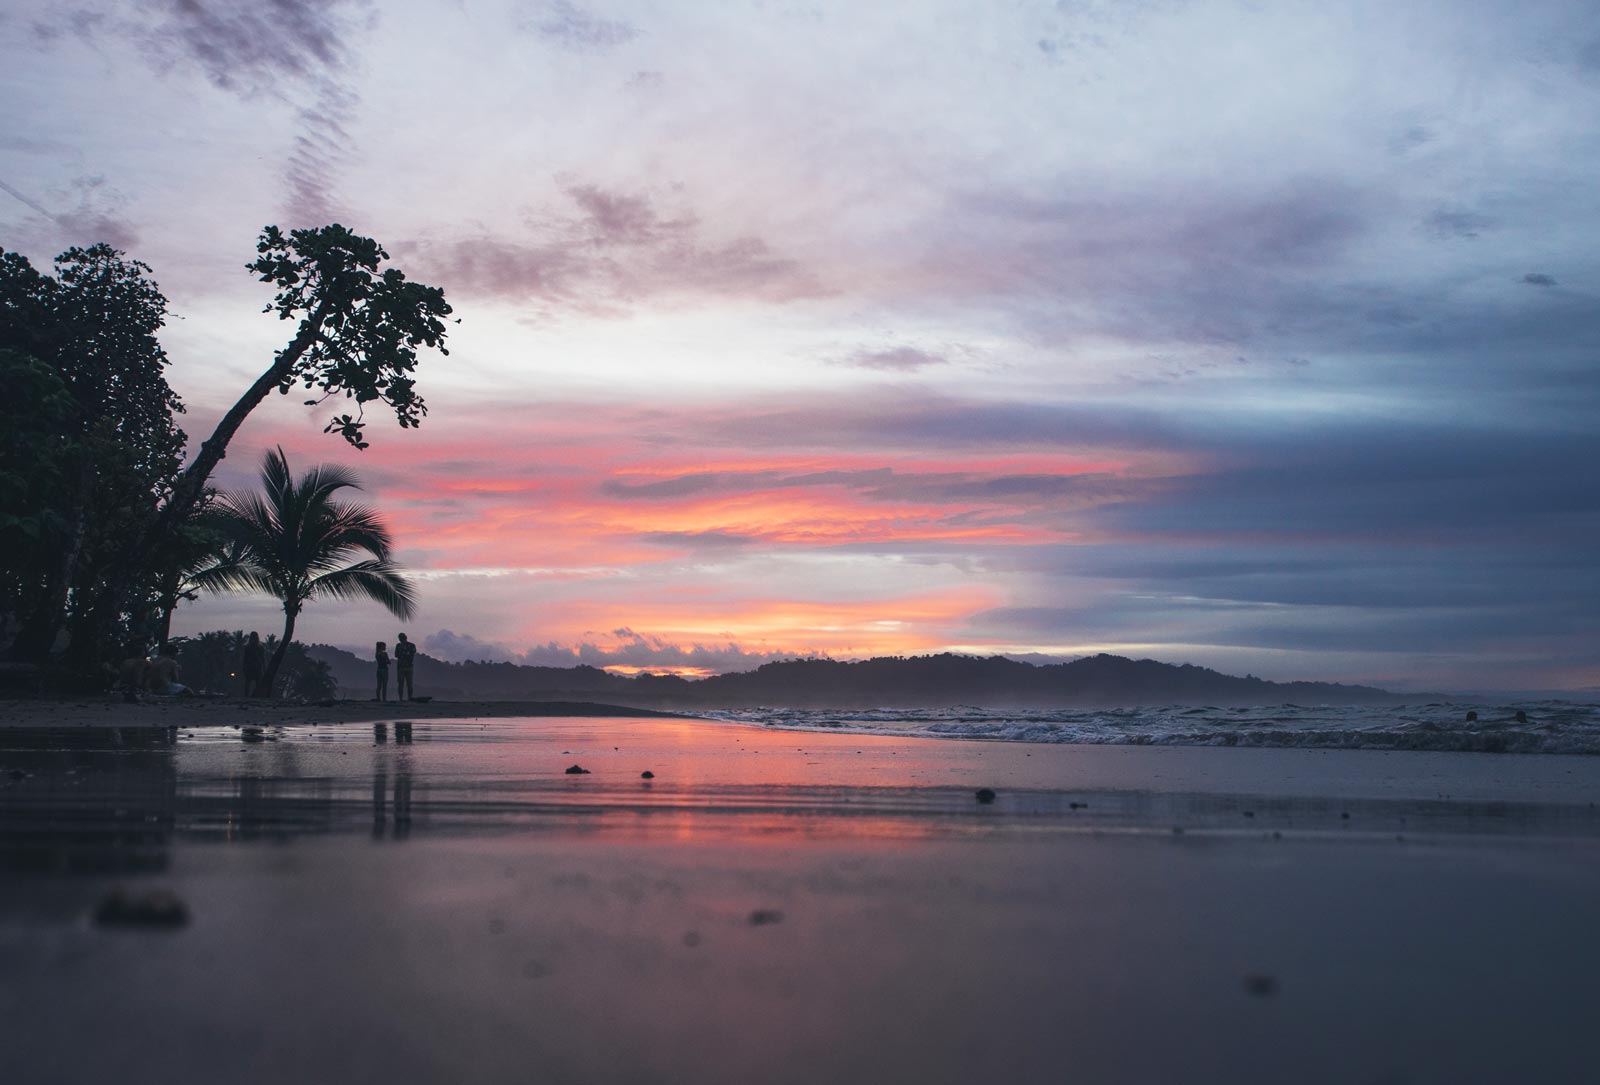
<point>1472,717</point>
<point>1522,717</point>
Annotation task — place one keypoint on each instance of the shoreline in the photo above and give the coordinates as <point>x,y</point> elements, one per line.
<point>254,712</point>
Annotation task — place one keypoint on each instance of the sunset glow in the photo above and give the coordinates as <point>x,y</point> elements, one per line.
<point>837,353</point>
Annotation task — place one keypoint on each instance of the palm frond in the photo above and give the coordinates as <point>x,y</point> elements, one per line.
<point>295,540</point>
<point>377,580</point>
<point>232,577</point>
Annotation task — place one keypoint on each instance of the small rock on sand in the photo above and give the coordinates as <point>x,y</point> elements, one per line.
<point>647,775</point>
<point>761,917</point>
<point>577,770</point>
<point>1261,985</point>
<point>157,909</point>
<point>985,794</point>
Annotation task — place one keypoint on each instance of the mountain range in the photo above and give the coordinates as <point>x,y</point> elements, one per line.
<point>894,681</point>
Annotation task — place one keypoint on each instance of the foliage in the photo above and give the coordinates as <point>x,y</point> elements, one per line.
<point>92,444</point>
<point>211,664</point>
<point>98,527</point>
<point>37,417</point>
<point>296,541</point>
<point>363,327</point>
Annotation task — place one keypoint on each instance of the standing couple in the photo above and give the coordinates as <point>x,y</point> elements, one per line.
<point>405,657</point>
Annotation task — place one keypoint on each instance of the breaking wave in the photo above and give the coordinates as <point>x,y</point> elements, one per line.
<point>1551,727</point>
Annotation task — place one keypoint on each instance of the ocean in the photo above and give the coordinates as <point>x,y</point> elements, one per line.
<point>1548,727</point>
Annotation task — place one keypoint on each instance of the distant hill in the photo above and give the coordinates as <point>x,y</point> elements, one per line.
<point>896,681</point>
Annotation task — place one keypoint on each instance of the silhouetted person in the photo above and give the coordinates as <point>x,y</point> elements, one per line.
<point>405,657</point>
<point>254,665</point>
<point>1522,717</point>
<point>382,657</point>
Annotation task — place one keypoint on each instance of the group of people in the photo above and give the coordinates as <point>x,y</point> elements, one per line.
<point>141,674</point>
<point>405,658</point>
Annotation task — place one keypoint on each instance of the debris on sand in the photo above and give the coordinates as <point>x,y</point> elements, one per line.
<point>1261,985</point>
<point>577,770</point>
<point>156,909</point>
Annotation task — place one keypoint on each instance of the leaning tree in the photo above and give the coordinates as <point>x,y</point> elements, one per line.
<point>358,329</point>
<point>357,337</point>
<point>297,541</point>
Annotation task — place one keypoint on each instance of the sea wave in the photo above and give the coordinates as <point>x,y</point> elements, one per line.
<point>1549,727</point>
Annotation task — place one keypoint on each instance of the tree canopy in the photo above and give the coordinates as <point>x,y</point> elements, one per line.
<point>99,524</point>
<point>92,444</point>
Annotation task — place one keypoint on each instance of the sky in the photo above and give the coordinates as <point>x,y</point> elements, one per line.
<point>1261,336</point>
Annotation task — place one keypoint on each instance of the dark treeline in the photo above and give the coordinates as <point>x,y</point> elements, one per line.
<point>886,682</point>
<point>212,663</point>
<point>103,526</point>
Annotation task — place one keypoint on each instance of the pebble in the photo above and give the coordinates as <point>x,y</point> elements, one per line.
<point>159,908</point>
<point>647,775</point>
<point>1261,985</point>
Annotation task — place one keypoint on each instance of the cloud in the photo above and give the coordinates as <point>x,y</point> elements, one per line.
<point>464,648</point>
<point>572,27</point>
<point>886,484</point>
<point>249,47</point>
<point>1443,223</point>
<point>1535,278</point>
<point>628,650</point>
<point>96,217</point>
<point>696,540</point>
<point>896,359</point>
<point>618,249</point>
<point>296,51</point>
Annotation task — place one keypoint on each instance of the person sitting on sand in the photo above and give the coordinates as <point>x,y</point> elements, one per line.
<point>405,658</point>
<point>254,665</point>
<point>164,673</point>
<point>133,676</point>
<point>382,656</point>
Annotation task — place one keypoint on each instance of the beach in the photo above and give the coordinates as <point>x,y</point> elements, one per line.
<point>440,900</point>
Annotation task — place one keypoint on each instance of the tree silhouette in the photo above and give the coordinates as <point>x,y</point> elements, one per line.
<point>295,541</point>
<point>358,334</point>
<point>93,445</point>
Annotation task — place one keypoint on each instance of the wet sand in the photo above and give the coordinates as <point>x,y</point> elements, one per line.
<point>111,711</point>
<point>447,904</point>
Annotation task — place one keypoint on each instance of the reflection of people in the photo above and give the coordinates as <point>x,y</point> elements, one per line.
<point>164,673</point>
<point>254,665</point>
<point>382,656</point>
<point>405,657</point>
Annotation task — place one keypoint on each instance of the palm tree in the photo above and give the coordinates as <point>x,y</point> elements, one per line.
<point>295,541</point>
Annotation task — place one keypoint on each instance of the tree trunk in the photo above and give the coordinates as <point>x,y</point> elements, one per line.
<point>40,629</point>
<point>193,480</point>
<point>169,603</point>
<point>291,611</point>
<point>192,483</point>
